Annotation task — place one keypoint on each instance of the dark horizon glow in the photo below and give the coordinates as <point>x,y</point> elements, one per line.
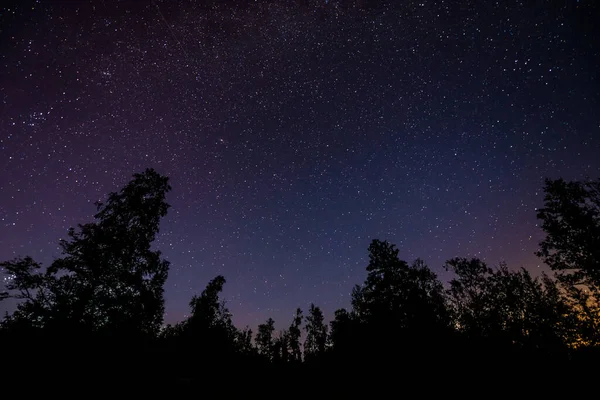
<point>294,134</point>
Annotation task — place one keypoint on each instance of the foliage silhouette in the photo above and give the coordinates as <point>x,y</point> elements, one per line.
<point>281,350</point>
<point>316,334</point>
<point>109,280</point>
<point>209,323</point>
<point>286,346</point>
<point>508,307</point>
<point>342,331</point>
<point>398,300</point>
<point>571,219</point>
<point>103,298</point>
<point>294,333</point>
<point>101,303</point>
<point>265,341</point>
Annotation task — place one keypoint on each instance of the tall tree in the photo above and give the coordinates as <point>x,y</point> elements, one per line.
<point>264,339</point>
<point>571,220</point>
<point>244,341</point>
<point>342,330</point>
<point>109,279</point>
<point>210,314</point>
<point>410,297</point>
<point>293,337</point>
<point>281,348</point>
<point>208,332</point>
<point>316,333</point>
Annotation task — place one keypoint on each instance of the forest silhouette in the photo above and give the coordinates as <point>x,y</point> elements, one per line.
<point>95,314</point>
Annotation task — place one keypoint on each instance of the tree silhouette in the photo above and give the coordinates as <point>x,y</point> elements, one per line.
<point>211,318</point>
<point>108,280</point>
<point>342,331</point>
<point>399,311</point>
<point>208,334</point>
<point>281,348</point>
<point>293,337</point>
<point>316,334</point>
<point>410,297</point>
<point>286,346</point>
<point>26,282</point>
<point>571,219</point>
<point>105,293</point>
<point>264,339</point>
<point>244,340</point>
<point>208,311</point>
<point>509,307</point>
<point>585,309</point>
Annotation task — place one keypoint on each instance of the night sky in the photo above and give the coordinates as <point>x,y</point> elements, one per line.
<point>296,132</point>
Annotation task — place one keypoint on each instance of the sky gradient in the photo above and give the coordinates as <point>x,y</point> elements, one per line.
<point>296,132</point>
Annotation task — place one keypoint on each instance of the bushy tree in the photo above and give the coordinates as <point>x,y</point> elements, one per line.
<point>207,340</point>
<point>585,311</point>
<point>108,280</point>
<point>509,307</point>
<point>26,282</point>
<point>211,318</point>
<point>410,298</point>
<point>571,220</point>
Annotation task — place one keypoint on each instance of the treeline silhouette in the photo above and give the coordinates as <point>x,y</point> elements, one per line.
<point>95,314</point>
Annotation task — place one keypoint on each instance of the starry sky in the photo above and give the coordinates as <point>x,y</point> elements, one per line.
<point>295,132</point>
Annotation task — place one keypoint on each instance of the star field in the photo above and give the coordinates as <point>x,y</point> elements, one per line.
<point>295,132</point>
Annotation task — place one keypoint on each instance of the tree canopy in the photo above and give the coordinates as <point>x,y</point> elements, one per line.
<point>571,220</point>
<point>108,279</point>
<point>106,291</point>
